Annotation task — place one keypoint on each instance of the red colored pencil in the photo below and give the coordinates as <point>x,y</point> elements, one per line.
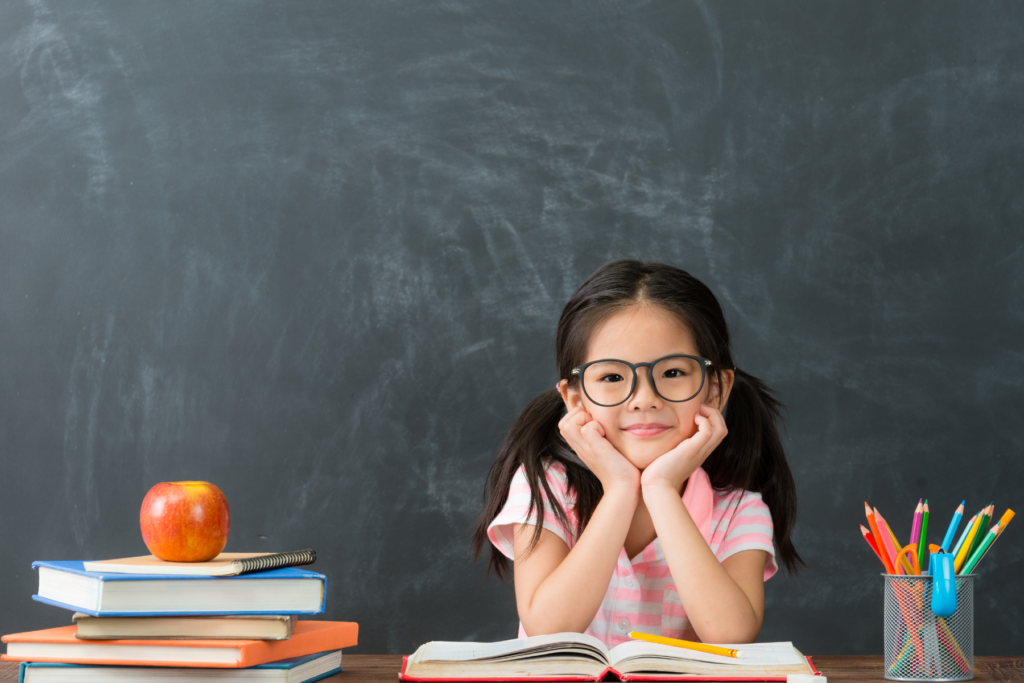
<point>866,533</point>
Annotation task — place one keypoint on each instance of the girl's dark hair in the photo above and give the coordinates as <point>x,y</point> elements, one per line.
<point>750,457</point>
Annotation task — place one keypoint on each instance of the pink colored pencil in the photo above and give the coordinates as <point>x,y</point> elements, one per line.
<point>890,549</point>
<point>915,529</point>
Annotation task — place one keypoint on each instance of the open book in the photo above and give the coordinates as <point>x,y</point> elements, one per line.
<point>577,656</point>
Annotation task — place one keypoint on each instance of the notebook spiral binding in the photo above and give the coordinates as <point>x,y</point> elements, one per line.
<point>276,561</point>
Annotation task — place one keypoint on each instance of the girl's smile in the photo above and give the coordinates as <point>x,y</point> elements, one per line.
<point>646,429</point>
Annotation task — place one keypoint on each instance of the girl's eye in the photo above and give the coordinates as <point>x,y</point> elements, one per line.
<point>611,378</point>
<point>674,373</point>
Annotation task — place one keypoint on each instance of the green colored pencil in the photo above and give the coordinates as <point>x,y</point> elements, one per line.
<point>922,544</point>
<point>977,554</point>
<point>986,517</point>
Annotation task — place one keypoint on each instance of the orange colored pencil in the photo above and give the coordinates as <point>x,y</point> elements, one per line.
<point>873,524</point>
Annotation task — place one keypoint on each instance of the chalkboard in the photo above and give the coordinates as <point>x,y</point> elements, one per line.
<point>315,252</point>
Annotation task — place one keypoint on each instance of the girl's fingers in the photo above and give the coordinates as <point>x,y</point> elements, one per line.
<point>573,417</point>
<point>717,424</point>
<point>593,433</point>
<point>715,417</point>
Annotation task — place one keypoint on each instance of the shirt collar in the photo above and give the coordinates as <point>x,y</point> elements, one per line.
<point>699,499</point>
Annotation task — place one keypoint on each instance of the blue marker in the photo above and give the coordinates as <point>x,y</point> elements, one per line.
<point>951,531</point>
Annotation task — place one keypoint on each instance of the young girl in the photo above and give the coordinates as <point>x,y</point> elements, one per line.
<point>641,494</point>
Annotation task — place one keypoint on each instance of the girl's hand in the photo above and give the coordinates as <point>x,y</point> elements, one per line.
<point>673,468</point>
<point>586,436</point>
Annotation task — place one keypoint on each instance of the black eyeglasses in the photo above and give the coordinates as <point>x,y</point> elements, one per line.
<point>675,378</point>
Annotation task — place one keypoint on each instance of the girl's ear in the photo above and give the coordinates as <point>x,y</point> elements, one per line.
<point>570,397</point>
<point>720,390</point>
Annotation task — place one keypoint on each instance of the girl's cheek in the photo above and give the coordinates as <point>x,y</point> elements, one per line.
<point>687,425</point>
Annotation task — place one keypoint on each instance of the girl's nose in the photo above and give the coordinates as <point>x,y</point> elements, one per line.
<point>644,396</point>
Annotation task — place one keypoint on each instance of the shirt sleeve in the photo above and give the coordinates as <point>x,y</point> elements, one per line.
<point>750,528</point>
<point>500,531</point>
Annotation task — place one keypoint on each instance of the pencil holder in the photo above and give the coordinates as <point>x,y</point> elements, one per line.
<point>920,645</point>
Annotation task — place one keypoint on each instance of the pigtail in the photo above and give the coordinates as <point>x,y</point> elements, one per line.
<point>751,457</point>
<point>534,439</point>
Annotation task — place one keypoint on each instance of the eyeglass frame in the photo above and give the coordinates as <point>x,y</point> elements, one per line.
<point>704,363</point>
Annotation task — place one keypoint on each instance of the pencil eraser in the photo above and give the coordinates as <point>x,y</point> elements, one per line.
<point>806,678</point>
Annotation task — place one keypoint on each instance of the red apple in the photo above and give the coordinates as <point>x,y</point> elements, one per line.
<point>185,521</point>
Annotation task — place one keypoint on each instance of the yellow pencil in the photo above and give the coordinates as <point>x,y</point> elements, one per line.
<point>688,644</point>
<point>961,557</point>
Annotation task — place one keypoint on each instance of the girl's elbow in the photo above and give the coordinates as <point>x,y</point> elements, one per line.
<point>546,625</point>
<point>736,633</point>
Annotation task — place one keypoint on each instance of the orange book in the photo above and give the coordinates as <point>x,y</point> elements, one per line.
<point>60,645</point>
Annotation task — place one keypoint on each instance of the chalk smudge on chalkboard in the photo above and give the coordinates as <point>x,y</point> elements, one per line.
<point>81,418</point>
<point>62,93</point>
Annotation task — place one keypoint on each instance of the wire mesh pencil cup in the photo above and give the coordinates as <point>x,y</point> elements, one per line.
<point>920,646</point>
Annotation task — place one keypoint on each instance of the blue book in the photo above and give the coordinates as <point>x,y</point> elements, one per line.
<point>101,594</point>
<point>296,670</point>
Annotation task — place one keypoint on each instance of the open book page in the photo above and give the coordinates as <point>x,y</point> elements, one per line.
<point>555,644</point>
<point>755,654</point>
<point>763,659</point>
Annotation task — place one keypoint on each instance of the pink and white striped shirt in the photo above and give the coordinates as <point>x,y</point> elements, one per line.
<point>642,595</point>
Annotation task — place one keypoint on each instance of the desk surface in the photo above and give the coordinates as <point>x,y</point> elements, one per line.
<point>374,668</point>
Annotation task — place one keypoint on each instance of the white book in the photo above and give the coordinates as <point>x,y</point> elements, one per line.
<point>228,627</point>
<point>581,655</point>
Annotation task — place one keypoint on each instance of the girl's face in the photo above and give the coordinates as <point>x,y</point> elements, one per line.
<point>645,426</point>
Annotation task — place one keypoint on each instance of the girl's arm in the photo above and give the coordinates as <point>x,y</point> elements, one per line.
<point>723,600</point>
<point>558,589</point>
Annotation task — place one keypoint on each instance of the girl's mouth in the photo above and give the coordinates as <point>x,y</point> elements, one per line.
<point>646,429</point>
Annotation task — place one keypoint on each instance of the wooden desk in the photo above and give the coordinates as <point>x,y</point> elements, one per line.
<point>384,668</point>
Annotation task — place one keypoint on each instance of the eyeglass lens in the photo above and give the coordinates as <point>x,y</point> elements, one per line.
<point>676,378</point>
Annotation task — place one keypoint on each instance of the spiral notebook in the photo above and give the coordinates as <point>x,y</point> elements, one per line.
<point>225,564</point>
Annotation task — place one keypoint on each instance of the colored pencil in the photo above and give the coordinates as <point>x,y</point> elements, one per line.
<point>980,551</point>
<point>963,536</point>
<point>951,531</point>
<point>923,537</point>
<point>866,533</point>
<point>887,539</point>
<point>982,526</point>
<point>1003,521</point>
<point>876,532</point>
<point>965,548</point>
<point>907,567</point>
<point>915,526</point>
<point>949,641</point>
<point>687,644</point>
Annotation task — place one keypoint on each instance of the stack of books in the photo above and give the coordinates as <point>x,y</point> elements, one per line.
<point>142,619</point>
